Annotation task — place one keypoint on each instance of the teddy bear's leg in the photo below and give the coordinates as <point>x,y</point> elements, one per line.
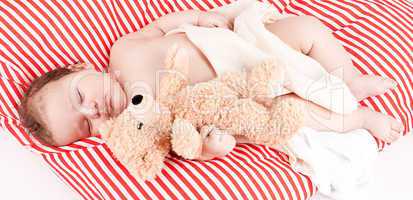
<point>216,142</point>
<point>286,114</point>
<point>186,140</point>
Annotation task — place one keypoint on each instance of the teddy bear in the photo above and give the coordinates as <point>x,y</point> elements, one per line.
<point>182,116</point>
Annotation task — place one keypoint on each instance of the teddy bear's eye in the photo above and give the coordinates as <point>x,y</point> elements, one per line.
<point>137,99</point>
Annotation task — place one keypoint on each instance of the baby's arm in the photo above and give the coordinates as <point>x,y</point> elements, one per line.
<point>171,21</point>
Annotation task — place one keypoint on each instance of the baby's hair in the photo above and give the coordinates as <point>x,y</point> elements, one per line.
<point>28,117</point>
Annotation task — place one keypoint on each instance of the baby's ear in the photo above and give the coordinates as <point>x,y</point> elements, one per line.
<point>177,59</point>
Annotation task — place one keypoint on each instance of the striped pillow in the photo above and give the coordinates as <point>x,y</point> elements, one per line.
<point>38,36</point>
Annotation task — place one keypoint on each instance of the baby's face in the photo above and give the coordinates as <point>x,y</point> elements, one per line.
<point>73,107</point>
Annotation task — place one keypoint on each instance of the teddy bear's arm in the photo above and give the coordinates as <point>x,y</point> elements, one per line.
<point>266,79</point>
<point>176,70</point>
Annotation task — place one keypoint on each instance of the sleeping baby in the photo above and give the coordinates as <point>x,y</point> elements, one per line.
<point>69,104</point>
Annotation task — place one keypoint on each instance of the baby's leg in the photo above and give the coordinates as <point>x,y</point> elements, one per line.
<point>378,124</point>
<point>309,36</point>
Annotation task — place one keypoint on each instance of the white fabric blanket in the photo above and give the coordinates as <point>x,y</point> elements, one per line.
<point>251,42</point>
<point>335,162</point>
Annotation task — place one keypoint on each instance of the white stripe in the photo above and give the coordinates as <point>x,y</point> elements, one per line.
<point>235,177</point>
<point>241,171</point>
<point>386,30</point>
<point>97,173</point>
<point>40,29</point>
<point>182,186</point>
<point>93,20</point>
<point>195,173</point>
<point>50,27</point>
<point>112,24</point>
<point>28,40</point>
<point>224,177</point>
<point>89,175</point>
<point>64,167</point>
<point>22,70</point>
<point>124,21</point>
<point>67,179</point>
<point>72,34</point>
<point>246,150</point>
<point>122,174</point>
<point>83,32</point>
<point>170,186</point>
<point>260,171</point>
<point>191,181</point>
<point>215,179</point>
<point>100,17</point>
<point>110,174</point>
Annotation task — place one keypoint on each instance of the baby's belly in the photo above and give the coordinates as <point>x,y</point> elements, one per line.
<point>200,69</point>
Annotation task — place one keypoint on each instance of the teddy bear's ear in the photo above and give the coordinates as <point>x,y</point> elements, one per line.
<point>177,59</point>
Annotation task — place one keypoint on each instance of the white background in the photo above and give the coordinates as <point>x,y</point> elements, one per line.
<point>23,175</point>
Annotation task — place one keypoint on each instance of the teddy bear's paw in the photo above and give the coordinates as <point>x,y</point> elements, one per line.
<point>186,140</point>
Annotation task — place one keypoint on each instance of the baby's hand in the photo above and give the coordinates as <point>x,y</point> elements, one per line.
<point>213,19</point>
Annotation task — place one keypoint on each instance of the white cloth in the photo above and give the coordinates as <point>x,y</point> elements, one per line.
<point>335,162</point>
<point>251,42</point>
<point>338,163</point>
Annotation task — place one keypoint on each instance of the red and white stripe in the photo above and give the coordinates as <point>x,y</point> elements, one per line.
<point>38,36</point>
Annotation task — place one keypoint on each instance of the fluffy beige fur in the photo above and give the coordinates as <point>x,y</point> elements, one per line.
<point>239,103</point>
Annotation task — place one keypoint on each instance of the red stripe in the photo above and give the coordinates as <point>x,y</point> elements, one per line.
<point>69,176</point>
<point>254,161</point>
<point>282,180</point>
<point>145,20</point>
<point>147,10</point>
<point>290,170</point>
<point>399,12</point>
<point>178,5</point>
<point>119,18</point>
<point>166,188</point>
<point>155,8</point>
<point>78,177</point>
<point>162,7</point>
<point>169,5</point>
<point>50,35</point>
<point>63,37</point>
<point>90,183</point>
<point>135,15</point>
<point>102,37</point>
<point>25,42</point>
<point>90,171</point>
<point>78,30</point>
<point>208,179</point>
<point>205,166</point>
<point>198,182</point>
<point>104,10</point>
<point>103,172</point>
<point>175,184</point>
<point>111,31</point>
<point>182,178</point>
<point>62,176</point>
<point>115,173</point>
<point>126,172</point>
<point>243,161</point>
<point>34,39</point>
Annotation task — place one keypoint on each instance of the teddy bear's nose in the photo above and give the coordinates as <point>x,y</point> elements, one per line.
<point>137,99</point>
<point>140,125</point>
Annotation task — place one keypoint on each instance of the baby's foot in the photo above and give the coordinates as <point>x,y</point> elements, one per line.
<point>382,126</point>
<point>364,86</point>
